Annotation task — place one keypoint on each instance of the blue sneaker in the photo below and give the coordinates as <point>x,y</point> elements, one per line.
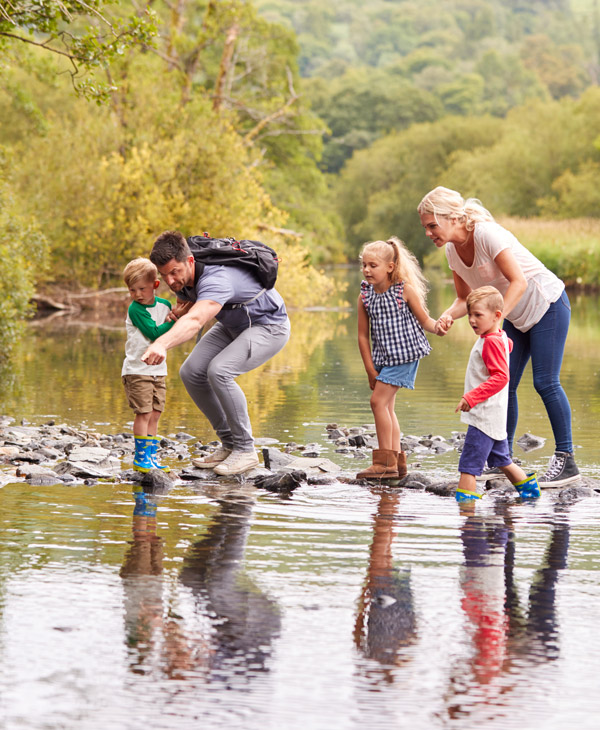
<point>529,487</point>
<point>463,495</point>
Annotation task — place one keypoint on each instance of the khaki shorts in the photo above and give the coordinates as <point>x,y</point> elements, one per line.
<point>145,393</point>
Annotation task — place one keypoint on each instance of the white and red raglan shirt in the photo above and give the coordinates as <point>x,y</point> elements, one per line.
<point>486,385</point>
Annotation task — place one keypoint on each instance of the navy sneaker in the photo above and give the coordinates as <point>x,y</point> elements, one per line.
<point>562,470</point>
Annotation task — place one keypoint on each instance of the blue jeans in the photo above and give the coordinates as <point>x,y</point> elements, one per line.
<point>544,343</point>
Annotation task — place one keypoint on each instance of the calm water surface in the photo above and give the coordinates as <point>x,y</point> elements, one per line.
<point>339,607</point>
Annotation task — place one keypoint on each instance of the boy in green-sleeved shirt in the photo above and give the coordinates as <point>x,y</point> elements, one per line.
<point>144,384</point>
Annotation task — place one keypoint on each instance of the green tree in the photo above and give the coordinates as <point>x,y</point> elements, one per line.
<point>22,257</point>
<point>380,188</point>
<point>88,35</point>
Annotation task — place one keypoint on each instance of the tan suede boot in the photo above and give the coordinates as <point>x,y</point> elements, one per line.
<point>402,470</point>
<point>385,465</point>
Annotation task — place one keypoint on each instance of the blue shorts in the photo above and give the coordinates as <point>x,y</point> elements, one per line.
<point>479,448</point>
<point>402,376</point>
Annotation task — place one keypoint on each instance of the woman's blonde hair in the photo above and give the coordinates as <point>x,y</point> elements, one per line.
<point>406,267</point>
<point>447,203</point>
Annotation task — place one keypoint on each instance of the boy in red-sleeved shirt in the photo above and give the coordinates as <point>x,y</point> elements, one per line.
<point>485,402</point>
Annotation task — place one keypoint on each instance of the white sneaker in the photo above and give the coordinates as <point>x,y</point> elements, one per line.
<point>212,460</point>
<point>237,462</point>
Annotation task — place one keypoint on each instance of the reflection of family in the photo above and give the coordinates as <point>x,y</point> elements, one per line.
<point>252,326</point>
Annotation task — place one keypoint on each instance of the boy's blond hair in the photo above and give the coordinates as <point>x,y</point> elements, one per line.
<point>139,268</point>
<point>489,296</point>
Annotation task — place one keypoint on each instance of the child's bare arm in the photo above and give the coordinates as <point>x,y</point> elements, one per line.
<point>427,322</point>
<point>364,343</point>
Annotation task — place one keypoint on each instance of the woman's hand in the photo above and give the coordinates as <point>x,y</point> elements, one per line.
<point>443,324</point>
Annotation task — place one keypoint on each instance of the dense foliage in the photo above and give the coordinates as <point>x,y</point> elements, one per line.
<point>541,160</point>
<point>312,126</point>
<point>379,66</point>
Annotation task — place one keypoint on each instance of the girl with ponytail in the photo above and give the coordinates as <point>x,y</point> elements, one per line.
<point>392,317</point>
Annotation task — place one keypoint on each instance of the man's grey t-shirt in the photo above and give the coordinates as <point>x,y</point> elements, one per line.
<point>233,285</point>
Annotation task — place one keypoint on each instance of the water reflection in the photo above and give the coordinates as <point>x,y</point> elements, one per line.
<point>226,630</point>
<point>385,622</point>
<point>509,636</point>
<point>243,620</point>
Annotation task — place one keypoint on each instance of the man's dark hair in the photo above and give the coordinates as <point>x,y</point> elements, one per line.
<point>169,245</point>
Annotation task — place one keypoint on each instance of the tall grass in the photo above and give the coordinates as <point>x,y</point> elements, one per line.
<point>569,248</point>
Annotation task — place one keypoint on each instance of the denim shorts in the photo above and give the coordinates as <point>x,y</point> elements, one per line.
<point>479,448</point>
<point>402,376</point>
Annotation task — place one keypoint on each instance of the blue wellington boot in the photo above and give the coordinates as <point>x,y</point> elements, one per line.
<point>529,487</point>
<point>141,459</point>
<point>464,495</point>
<point>154,454</point>
<point>144,506</point>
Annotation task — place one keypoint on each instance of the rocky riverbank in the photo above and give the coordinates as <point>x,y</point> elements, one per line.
<point>53,453</point>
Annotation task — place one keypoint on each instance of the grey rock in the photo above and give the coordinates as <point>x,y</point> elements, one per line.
<point>81,469</point>
<point>442,489</point>
<point>529,442</point>
<point>336,433</point>
<point>266,441</point>
<point>281,482</point>
<point>417,480</point>
<point>357,440</point>
<point>33,457</point>
<point>26,471</point>
<point>318,480</point>
<point>157,481</point>
<point>278,458</point>
<point>91,454</point>
<point>182,436</point>
<point>575,493</point>
<point>44,480</point>
<point>200,475</point>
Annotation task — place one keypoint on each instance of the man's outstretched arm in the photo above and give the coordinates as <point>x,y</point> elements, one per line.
<point>183,330</point>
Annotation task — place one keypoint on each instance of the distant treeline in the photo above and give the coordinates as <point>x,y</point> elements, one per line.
<point>313,126</point>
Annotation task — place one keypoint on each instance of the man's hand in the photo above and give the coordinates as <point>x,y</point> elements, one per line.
<point>463,405</point>
<point>155,354</point>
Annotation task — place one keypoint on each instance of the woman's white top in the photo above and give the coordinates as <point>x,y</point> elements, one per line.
<point>543,287</point>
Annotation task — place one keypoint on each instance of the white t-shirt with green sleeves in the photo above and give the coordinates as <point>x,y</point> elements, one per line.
<point>144,324</point>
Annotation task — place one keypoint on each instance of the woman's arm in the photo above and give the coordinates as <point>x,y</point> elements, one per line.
<point>457,309</point>
<point>427,322</point>
<point>517,283</point>
<point>364,343</point>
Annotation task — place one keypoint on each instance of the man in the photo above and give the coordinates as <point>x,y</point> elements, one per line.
<point>243,338</point>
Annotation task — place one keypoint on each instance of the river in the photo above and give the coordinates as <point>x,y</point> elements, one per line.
<point>336,607</point>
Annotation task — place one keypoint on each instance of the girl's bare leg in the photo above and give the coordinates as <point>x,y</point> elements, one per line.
<point>383,400</point>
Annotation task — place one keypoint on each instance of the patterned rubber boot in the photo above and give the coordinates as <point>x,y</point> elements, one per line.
<point>144,505</point>
<point>529,487</point>
<point>141,459</point>
<point>464,495</point>
<point>154,454</point>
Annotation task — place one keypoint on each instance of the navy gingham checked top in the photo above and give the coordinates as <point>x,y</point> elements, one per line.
<point>396,335</point>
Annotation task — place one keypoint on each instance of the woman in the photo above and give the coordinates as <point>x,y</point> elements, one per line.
<point>537,311</point>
